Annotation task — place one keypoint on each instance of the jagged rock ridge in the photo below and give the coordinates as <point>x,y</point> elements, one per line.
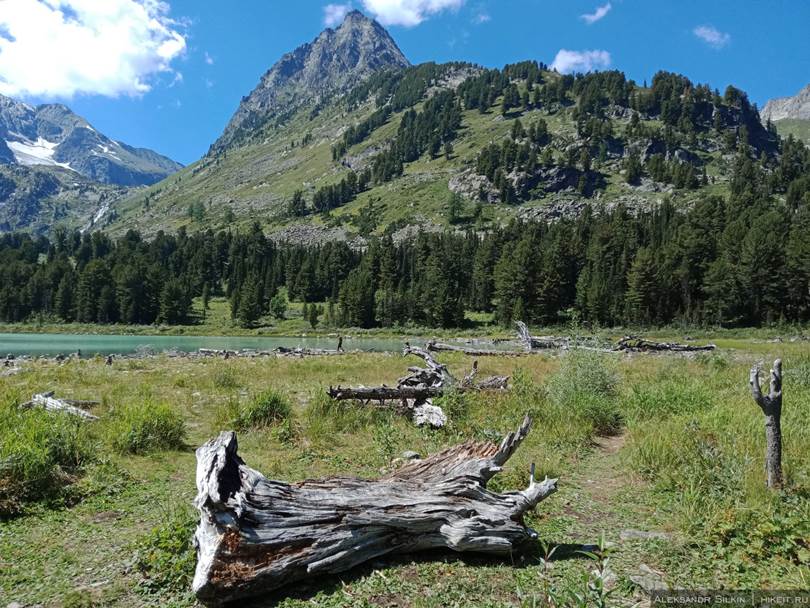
<point>335,61</point>
<point>796,107</point>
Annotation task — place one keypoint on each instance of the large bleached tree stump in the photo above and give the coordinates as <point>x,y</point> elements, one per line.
<point>256,534</point>
<point>771,406</point>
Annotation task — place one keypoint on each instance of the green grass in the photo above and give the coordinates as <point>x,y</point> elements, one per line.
<point>800,129</point>
<point>684,456</point>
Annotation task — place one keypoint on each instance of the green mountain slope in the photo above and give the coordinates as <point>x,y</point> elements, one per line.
<point>797,127</point>
<point>257,180</point>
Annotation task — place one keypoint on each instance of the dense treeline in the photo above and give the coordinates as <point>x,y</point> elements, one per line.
<point>744,260</point>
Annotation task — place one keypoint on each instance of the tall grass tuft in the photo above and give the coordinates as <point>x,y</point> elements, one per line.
<point>145,427</point>
<point>265,409</point>
<point>40,455</point>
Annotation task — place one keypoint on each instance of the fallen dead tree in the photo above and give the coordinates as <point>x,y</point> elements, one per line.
<point>69,406</point>
<point>533,343</point>
<point>437,347</point>
<point>385,393</point>
<point>414,393</point>
<point>257,534</point>
<point>307,352</point>
<point>636,344</point>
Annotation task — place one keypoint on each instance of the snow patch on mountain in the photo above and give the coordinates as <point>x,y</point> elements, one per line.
<point>39,152</point>
<point>105,149</point>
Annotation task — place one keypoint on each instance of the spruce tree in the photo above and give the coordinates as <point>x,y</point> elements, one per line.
<point>278,305</point>
<point>64,302</point>
<point>175,303</point>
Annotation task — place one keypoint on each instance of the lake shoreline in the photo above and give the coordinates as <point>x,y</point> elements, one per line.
<point>53,345</point>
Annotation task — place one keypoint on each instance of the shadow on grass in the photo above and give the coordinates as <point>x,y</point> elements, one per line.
<point>309,589</point>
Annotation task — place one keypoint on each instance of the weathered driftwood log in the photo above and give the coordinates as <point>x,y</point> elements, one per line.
<point>493,383</point>
<point>413,393</point>
<point>69,406</point>
<point>436,373</point>
<point>215,352</point>
<point>634,343</point>
<point>437,347</point>
<point>385,393</point>
<point>771,406</point>
<point>418,393</point>
<point>308,352</point>
<point>256,534</point>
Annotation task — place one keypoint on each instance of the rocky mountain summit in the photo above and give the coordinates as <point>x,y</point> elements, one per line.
<point>781,108</point>
<point>52,135</point>
<point>335,61</point>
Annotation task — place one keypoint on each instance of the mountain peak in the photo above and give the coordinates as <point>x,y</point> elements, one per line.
<point>355,16</point>
<point>334,62</point>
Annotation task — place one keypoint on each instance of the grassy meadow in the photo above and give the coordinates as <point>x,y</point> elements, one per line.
<point>99,513</point>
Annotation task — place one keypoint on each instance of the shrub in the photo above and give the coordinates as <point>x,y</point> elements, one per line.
<point>138,429</point>
<point>265,409</point>
<point>40,455</point>
<point>454,404</point>
<point>585,387</point>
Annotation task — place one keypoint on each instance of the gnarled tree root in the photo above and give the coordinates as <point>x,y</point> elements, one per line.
<point>256,534</point>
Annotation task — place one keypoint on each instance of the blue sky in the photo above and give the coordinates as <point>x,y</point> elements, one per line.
<point>169,75</point>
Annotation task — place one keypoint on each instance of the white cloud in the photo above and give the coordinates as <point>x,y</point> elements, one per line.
<point>57,48</point>
<point>333,14</point>
<point>580,61</point>
<point>208,59</point>
<point>712,36</point>
<point>481,17</point>
<point>598,14</point>
<point>408,12</point>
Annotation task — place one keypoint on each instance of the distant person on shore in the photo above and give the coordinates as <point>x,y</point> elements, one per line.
<point>340,344</point>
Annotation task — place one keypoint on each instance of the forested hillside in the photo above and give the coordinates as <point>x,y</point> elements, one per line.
<point>518,142</point>
<point>744,260</point>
